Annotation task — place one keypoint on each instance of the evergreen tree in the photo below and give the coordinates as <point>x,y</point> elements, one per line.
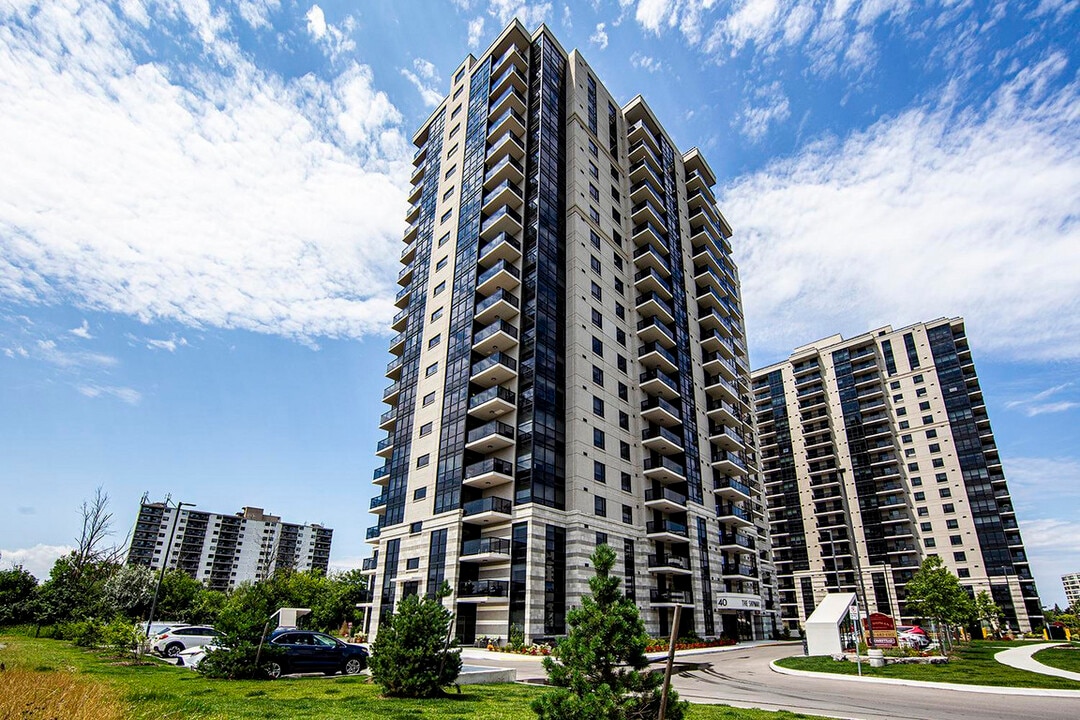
<point>409,656</point>
<point>599,670</point>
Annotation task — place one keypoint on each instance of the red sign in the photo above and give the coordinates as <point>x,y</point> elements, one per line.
<point>884,630</point>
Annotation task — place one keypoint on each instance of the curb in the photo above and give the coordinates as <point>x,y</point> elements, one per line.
<point>986,689</point>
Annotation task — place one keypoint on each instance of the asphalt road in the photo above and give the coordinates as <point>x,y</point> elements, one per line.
<point>742,678</point>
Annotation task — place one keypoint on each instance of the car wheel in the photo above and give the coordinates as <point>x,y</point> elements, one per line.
<point>173,649</point>
<point>274,670</point>
<point>353,666</point>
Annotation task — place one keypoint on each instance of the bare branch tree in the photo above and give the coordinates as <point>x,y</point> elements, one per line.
<point>96,527</point>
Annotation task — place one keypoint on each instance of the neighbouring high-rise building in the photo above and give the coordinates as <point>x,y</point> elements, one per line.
<point>570,366</point>
<point>1071,582</point>
<point>223,551</point>
<point>886,434</point>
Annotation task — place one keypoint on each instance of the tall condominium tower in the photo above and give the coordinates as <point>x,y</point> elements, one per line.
<point>886,433</point>
<point>225,550</point>
<point>1071,582</point>
<point>570,366</point>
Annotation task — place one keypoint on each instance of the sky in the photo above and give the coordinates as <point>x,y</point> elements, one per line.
<point>201,211</point>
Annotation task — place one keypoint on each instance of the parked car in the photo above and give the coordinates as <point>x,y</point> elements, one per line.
<point>193,656</point>
<point>159,626</point>
<point>171,642</point>
<point>306,651</point>
<point>912,637</point>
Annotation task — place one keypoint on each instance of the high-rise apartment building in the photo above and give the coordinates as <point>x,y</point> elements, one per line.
<point>892,426</point>
<point>1071,582</point>
<point>570,366</point>
<point>225,550</point>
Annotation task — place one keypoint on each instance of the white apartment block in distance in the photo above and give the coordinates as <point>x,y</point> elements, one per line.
<point>1072,589</point>
<point>895,419</point>
<point>570,367</point>
<point>223,551</point>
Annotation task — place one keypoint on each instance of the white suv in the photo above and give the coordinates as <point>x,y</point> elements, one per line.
<point>172,641</point>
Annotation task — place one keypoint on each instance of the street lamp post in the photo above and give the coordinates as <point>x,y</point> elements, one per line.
<point>855,557</point>
<point>164,563</point>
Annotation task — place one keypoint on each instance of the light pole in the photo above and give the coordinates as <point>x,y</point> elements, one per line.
<point>164,562</point>
<point>855,557</point>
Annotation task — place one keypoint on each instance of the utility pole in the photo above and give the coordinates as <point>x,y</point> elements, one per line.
<point>670,661</point>
<point>164,562</point>
<point>855,557</point>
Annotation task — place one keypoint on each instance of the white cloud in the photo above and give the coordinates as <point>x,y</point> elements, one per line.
<point>334,40</point>
<point>476,31</point>
<point>567,17</point>
<point>530,14</point>
<point>124,394</point>
<point>646,62</point>
<point>170,345</point>
<point>1033,479</point>
<point>1041,404</point>
<point>599,38</point>
<point>82,331</point>
<point>256,13</point>
<point>38,560</point>
<point>229,199</point>
<point>425,79</point>
<point>316,22</point>
<point>654,15</point>
<point>52,353</point>
<point>921,216</point>
<point>770,106</point>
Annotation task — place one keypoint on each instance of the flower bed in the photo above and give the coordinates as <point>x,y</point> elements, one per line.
<point>657,645</point>
<point>533,649</point>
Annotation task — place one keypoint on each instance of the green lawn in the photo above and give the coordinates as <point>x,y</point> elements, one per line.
<point>163,691</point>
<point>1063,658</point>
<point>972,664</point>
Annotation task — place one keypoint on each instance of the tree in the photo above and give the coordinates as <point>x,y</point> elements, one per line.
<point>936,593</point>
<point>599,670</point>
<point>17,588</point>
<point>409,657</point>
<point>185,599</point>
<point>129,591</point>
<point>96,527</point>
<point>988,612</point>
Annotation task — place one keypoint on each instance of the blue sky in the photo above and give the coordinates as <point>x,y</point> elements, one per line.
<point>201,210</point>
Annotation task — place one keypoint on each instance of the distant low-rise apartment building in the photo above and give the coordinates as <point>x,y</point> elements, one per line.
<point>225,550</point>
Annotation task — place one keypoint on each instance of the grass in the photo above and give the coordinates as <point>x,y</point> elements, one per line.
<point>115,689</point>
<point>971,664</point>
<point>1062,658</point>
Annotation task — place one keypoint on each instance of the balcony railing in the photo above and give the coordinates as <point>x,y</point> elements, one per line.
<point>491,361</point>
<point>498,465</point>
<point>680,597</point>
<point>485,546</point>
<point>492,393</point>
<point>666,526</point>
<point>483,588</point>
<point>652,494</point>
<point>494,427</point>
<point>488,504</point>
<point>675,561</point>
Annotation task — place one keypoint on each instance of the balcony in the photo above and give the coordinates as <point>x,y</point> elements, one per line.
<point>499,336</point>
<point>728,463</point>
<point>504,220</point>
<point>505,193</point>
<point>506,145</point>
<point>715,363</point>
<point>489,473</point>
<point>378,504</point>
<point>495,369</point>
<point>500,276</point>
<point>661,440</point>
<point>739,571</point>
<point>726,437</point>
<point>667,531</point>
<point>696,182</point>
<point>400,321</point>
<point>485,550</point>
<point>397,344</point>
<point>511,77</point>
<point>393,368</point>
<point>650,235</point>
<point>373,533</point>
<point>724,412</point>
<point>510,99</point>
<point>731,489</point>
<point>639,131</point>
<point>648,256</point>
<point>490,437</point>
<point>369,566</point>
<point>509,121</point>
<point>654,304</point>
<point>671,598</point>
<point>669,565</point>
<point>404,295</point>
<point>506,169</point>
<point>646,190</point>
<point>660,411</point>
<point>649,280</point>
<point>501,305</point>
<point>642,171</point>
<point>645,212</point>
<point>653,329</point>
<point>390,394</point>
<point>386,447</point>
<point>483,591</point>
<point>657,382</point>
<point>493,402</point>
<point>513,57</point>
<point>738,543</point>
<point>500,247</point>
<point>665,500</point>
<point>388,419</point>
<point>721,389</point>
<point>654,356</point>
<point>487,511</point>
<point>664,470</point>
<point>733,515</point>
<point>712,318</point>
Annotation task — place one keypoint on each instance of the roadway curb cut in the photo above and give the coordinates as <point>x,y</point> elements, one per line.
<point>987,689</point>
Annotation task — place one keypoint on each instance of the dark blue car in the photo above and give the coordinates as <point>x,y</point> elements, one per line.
<point>308,652</point>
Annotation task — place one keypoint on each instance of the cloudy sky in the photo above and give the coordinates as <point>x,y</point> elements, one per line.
<point>201,208</point>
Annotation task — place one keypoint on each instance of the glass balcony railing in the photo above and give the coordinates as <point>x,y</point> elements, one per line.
<point>488,504</point>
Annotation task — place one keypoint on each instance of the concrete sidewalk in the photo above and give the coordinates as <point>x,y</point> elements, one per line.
<point>1021,659</point>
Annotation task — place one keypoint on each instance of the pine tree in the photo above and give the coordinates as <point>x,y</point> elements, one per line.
<point>408,657</point>
<point>599,670</point>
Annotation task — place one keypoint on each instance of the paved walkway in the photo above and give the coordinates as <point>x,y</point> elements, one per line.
<point>1021,659</point>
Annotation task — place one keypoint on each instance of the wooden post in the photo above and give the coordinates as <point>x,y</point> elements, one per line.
<point>670,661</point>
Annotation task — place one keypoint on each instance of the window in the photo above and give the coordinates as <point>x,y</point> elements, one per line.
<point>600,506</point>
<point>624,420</point>
<point>945,492</point>
<point>956,540</point>
<point>920,496</point>
<point>922,512</point>
<point>920,392</point>
<point>597,318</point>
<point>927,419</point>
<point>429,398</point>
<point>616,215</point>
<point>442,263</point>
<point>434,341</point>
<point>916,481</point>
<point>594,192</point>
<point>620,311</point>
<point>431,369</point>
<point>425,429</point>
<point>925,527</point>
<point>935,447</point>
<point>917,379</point>
<point>598,376</point>
<point>412,563</point>
<point>959,556</point>
<point>598,347</point>
<point>594,239</point>
<point>894,385</point>
<point>416,527</point>
<point>620,336</point>
<point>615,194</point>
<point>617,237</point>
<point>901,411</point>
<point>963,573</point>
<point>909,452</point>
<point>599,472</point>
<point>899,397</point>
<point>595,151</point>
<point>913,466</point>
<point>938,463</point>
<point>904,425</point>
<point>457,78</point>
<point>625,482</point>
<point>905,438</point>
<point>454,130</point>
<point>598,438</point>
<point>601,538</point>
<point>446,215</point>
<point>457,110</point>
<point>439,288</point>
<point>436,315</point>
<point>450,172</point>
<point>624,450</point>
<point>597,292</point>
<point>628,514</point>
<point>594,262</point>
<point>948,508</point>
<point>930,542</point>
<point>624,392</point>
<point>597,406</point>
<point>595,215</point>
<point>619,287</point>
<point>620,362</point>
<point>941,477</point>
<point>420,493</point>
<point>930,434</point>
<point>924,405</point>
<point>594,171</point>
<point>617,259</point>
<point>444,239</point>
<point>952,524</point>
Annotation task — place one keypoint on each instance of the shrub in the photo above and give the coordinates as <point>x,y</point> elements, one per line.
<point>83,633</point>
<point>408,657</point>
<point>122,636</point>
<point>238,662</point>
